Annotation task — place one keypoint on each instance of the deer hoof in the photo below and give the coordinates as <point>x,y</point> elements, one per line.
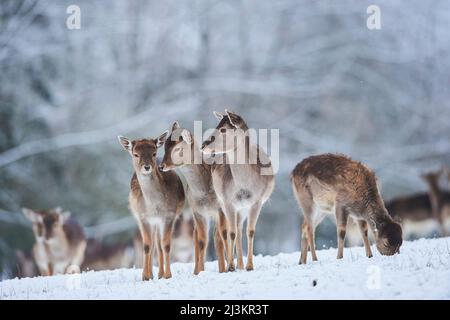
<point>249,267</point>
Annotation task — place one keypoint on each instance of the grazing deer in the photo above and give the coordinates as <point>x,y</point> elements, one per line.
<point>239,186</point>
<point>440,200</point>
<point>180,150</point>
<point>156,199</point>
<point>329,183</point>
<point>60,241</point>
<point>102,256</point>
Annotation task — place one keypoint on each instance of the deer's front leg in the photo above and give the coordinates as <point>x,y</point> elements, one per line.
<point>147,242</point>
<point>365,235</point>
<point>166,243</point>
<point>341,221</point>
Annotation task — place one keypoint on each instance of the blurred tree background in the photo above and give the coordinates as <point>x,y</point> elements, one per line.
<point>310,68</point>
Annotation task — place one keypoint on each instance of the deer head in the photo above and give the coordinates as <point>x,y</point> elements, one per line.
<point>230,127</point>
<point>389,237</point>
<point>177,148</point>
<point>47,224</point>
<point>143,152</point>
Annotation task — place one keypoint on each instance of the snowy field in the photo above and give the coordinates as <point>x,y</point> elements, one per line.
<point>420,271</point>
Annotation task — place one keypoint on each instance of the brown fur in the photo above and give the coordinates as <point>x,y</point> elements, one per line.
<point>239,187</point>
<point>156,199</point>
<point>200,194</point>
<point>335,184</point>
<point>60,241</point>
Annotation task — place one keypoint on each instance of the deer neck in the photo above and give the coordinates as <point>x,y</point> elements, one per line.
<point>197,175</point>
<point>150,184</point>
<point>377,218</point>
<point>239,163</point>
<point>435,191</point>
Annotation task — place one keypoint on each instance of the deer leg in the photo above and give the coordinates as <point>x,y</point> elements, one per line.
<point>218,245</point>
<point>147,240</point>
<point>223,230</point>
<point>363,227</point>
<point>251,227</point>
<point>196,251</point>
<point>159,251</point>
<point>166,242</point>
<point>232,226</point>
<point>240,258</point>
<point>341,221</point>
<point>201,225</point>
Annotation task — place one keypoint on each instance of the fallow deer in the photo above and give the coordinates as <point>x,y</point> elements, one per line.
<point>335,184</point>
<point>440,199</point>
<point>156,199</point>
<point>180,152</point>
<point>60,241</point>
<point>240,183</point>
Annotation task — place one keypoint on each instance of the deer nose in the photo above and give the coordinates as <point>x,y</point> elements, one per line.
<point>147,168</point>
<point>161,167</point>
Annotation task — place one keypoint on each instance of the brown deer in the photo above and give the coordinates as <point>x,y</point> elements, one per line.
<point>107,256</point>
<point>239,185</point>
<point>180,150</point>
<point>60,241</point>
<point>440,200</point>
<point>329,183</point>
<point>156,199</point>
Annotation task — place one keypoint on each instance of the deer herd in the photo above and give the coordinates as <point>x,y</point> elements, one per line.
<point>229,193</point>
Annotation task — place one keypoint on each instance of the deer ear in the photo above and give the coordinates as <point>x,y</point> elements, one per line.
<point>235,119</point>
<point>186,135</point>
<point>161,139</point>
<point>175,126</point>
<point>30,214</point>
<point>64,216</point>
<point>125,142</point>
<point>218,115</point>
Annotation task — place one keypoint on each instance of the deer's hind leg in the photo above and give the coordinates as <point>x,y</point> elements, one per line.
<point>306,202</point>
<point>239,254</point>
<point>253,215</point>
<point>201,227</point>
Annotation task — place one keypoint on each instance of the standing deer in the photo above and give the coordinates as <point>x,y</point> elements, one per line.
<point>440,200</point>
<point>327,184</point>
<point>180,150</point>
<point>239,186</point>
<point>156,199</point>
<point>60,241</point>
<point>104,256</point>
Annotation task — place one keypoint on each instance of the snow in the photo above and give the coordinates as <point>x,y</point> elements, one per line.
<point>420,271</point>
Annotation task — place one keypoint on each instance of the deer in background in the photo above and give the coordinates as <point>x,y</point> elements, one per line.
<point>239,186</point>
<point>156,199</point>
<point>335,184</point>
<point>440,200</point>
<point>60,241</point>
<point>180,150</point>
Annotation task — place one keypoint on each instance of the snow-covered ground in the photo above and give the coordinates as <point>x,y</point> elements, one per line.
<point>420,271</point>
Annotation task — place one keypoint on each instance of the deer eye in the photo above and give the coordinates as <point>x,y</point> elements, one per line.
<point>223,130</point>
<point>154,154</point>
<point>136,155</point>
